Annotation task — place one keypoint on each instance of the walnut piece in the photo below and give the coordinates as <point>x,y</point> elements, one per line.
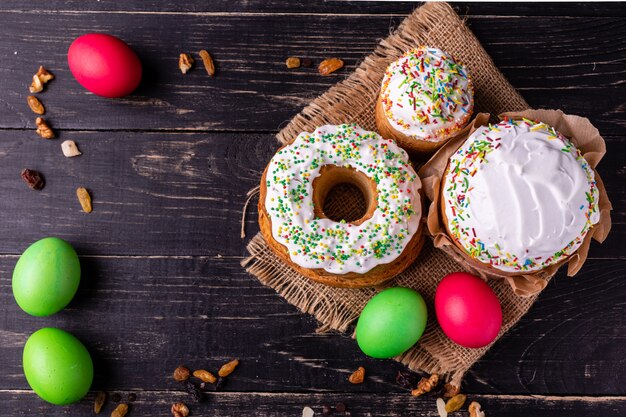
<point>474,410</point>
<point>43,129</point>
<point>185,62</point>
<point>425,385</point>
<point>180,410</point>
<point>39,79</point>
<point>357,376</point>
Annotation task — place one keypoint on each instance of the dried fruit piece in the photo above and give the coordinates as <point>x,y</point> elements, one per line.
<point>35,105</point>
<point>340,407</point>
<point>406,379</point>
<point>330,65</point>
<point>70,149</point>
<point>450,390</point>
<point>292,62</point>
<point>228,368</point>
<point>474,410</point>
<point>185,62</point>
<point>120,410</point>
<point>191,388</point>
<point>425,385</point>
<point>181,373</point>
<point>101,398</point>
<point>207,60</point>
<point>441,408</point>
<point>85,199</point>
<point>180,410</point>
<point>205,376</point>
<point>357,376</point>
<point>307,62</point>
<point>39,79</point>
<point>308,412</point>
<point>43,129</point>
<point>455,403</point>
<point>33,178</point>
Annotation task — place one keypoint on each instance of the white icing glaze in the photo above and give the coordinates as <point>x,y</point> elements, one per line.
<point>427,95</point>
<point>340,247</point>
<point>519,196</point>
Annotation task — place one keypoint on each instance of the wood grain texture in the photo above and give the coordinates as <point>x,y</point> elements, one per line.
<point>167,193</point>
<point>143,316</point>
<point>253,90</point>
<point>169,168</point>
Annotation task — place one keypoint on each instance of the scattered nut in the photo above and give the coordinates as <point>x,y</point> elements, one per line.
<point>33,178</point>
<point>205,376</point>
<point>120,410</point>
<point>455,403</point>
<point>44,75</point>
<point>70,149</point>
<point>85,199</point>
<point>357,376</point>
<point>292,62</point>
<point>307,62</point>
<point>228,368</point>
<point>450,390</point>
<point>43,129</point>
<point>101,398</point>
<point>39,79</point>
<point>208,62</point>
<point>308,412</point>
<point>35,105</point>
<point>425,385</point>
<point>330,65</point>
<point>181,373</point>
<point>36,86</point>
<point>474,410</point>
<point>185,62</point>
<point>441,408</point>
<point>180,410</point>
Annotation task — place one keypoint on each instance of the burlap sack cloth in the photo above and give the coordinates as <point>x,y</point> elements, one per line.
<point>353,100</point>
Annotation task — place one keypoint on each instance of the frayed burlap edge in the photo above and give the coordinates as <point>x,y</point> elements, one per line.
<point>352,101</point>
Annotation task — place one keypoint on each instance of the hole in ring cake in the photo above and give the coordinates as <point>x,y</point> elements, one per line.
<point>366,244</point>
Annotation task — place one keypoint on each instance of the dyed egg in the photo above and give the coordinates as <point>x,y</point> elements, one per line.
<point>391,322</point>
<point>57,366</point>
<point>104,65</point>
<point>468,310</point>
<point>46,277</point>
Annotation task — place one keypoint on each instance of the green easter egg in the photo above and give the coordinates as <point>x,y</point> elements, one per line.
<point>46,277</point>
<point>391,322</point>
<point>57,366</point>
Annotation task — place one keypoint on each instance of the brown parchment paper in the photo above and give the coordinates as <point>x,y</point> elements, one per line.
<point>584,136</point>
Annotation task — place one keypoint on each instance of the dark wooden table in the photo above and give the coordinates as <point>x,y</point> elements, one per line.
<point>169,167</point>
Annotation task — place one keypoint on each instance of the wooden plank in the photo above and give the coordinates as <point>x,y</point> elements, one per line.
<point>325,7</point>
<point>260,404</point>
<point>167,193</point>
<point>143,316</point>
<point>570,63</point>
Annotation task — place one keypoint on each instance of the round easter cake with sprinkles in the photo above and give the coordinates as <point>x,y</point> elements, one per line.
<point>425,98</point>
<point>518,196</point>
<point>369,250</point>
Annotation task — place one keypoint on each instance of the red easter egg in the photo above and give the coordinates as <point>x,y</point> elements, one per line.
<point>468,310</point>
<point>104,65</point>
